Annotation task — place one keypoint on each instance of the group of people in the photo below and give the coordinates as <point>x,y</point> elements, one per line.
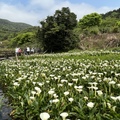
<point>26,51</point>
<point>18,51</point>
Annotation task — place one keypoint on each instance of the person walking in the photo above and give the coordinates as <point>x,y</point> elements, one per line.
<point>16,51</point>
<point>28,50</point>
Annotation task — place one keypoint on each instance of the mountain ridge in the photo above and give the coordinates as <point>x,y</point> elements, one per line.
<point>15,26</point>
<point>8,27</point>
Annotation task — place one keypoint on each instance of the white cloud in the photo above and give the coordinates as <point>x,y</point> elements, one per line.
<point>38,10</point>
<point>45,4</point>
<point>81,9</point>
<point>17,14</point>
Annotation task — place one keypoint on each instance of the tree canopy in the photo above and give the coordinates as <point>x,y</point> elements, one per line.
<point>90,20</point>
<point>56,31</point>
<point>22,38</point>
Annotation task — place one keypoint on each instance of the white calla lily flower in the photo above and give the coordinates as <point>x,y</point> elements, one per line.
<point>44,116</point>
<point>64,115</point>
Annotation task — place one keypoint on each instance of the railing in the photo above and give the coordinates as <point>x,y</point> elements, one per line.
<point>6,54</point>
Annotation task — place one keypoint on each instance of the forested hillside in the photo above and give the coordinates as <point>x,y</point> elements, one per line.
<point>114,13</point>
<point>99,31</point>
<point>8,27</point>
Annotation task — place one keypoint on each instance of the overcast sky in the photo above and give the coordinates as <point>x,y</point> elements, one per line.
<point>33,11</point>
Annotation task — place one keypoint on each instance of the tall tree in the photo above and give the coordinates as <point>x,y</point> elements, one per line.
<point>56,31</point>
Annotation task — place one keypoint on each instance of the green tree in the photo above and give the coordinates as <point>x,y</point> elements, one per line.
<point>56,31</point>
<point>118,23</point>
<point>90,20</point>
<point>108,24</point>
<point>116,28</point>
<point>22,38</point>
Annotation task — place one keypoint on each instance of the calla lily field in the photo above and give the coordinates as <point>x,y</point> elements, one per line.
<point>63,86</point>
